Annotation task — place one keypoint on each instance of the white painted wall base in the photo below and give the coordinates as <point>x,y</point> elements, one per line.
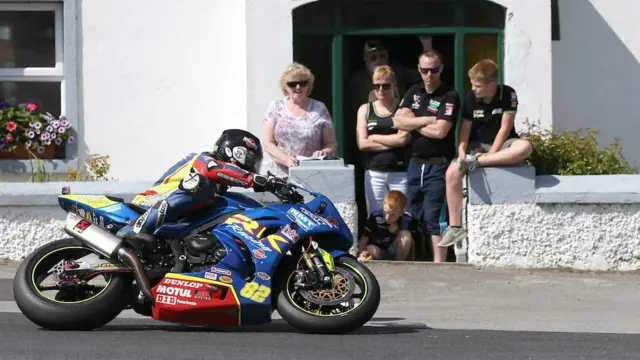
<point>25,228</point>
<point>577,236</point>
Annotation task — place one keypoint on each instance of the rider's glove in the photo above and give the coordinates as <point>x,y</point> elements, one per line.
<point>268,183</point>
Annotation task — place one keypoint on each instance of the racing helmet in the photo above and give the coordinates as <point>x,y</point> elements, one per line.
<point>241,148</point>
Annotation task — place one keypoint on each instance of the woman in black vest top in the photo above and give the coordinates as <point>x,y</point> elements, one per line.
<point>385,148</point>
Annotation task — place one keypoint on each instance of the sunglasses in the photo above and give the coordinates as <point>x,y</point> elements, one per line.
<point>382,86</point>
<point>433,70</point>
<point>293,84</point>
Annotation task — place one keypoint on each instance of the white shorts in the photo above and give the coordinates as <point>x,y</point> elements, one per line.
<point>378,183</point>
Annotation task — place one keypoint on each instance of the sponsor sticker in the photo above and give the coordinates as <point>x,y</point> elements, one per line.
<point>183,283</point>
<point>264,276</point>
<point>210,276</point>
<point>81,226</point>
<point>221,271</point>
<point>164,299</point>
<point>170,290</point>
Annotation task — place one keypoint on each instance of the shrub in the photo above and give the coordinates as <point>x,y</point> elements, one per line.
<point>574,152</point>
<point>96,169</point>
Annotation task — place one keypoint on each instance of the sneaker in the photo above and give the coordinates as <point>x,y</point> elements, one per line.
<point>468,163</point>
<point>452,235</point>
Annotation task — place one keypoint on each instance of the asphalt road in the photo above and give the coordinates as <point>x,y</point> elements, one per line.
<point>509,315</point>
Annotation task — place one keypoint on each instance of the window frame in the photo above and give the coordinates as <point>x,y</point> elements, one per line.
<point>64,72</point>
<point>338,30</point>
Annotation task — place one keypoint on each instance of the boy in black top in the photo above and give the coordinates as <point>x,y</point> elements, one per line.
<point>487,138</point>
<point>429,111</point>
<point>388,234</point>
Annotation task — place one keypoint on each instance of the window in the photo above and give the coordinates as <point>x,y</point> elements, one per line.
<point>37,63</point>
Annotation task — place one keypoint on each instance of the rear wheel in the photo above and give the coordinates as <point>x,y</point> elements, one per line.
<point>76,302</point>
<point>349,304</point>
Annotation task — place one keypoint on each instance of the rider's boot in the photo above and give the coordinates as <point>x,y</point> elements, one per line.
<point>127,233</point>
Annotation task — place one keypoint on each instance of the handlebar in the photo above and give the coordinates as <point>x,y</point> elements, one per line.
<point>288,192</point>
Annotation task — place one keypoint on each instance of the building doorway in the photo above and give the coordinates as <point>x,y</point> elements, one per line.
<point>329,38</point>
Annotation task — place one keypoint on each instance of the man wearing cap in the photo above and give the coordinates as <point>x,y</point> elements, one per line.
<point>376,54</point>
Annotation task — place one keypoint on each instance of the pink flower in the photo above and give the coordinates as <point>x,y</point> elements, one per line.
<point>9,137</point>
<point>32,107</point>
<point>11,125</point>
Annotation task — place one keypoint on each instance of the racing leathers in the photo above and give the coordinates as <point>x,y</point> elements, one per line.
<point>188,186</point>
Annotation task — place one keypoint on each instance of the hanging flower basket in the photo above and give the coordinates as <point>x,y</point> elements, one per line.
<point>24,131</point>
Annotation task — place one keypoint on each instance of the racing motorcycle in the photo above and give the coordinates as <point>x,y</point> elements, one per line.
<point>229,265</point>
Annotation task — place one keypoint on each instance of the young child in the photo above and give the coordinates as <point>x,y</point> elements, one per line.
<point>388,234</point>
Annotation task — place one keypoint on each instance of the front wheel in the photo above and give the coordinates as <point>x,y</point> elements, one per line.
<point>349,304</point>
<point>78,302</point>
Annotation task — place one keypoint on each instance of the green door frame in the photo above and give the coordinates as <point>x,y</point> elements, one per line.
<point>338,31</point>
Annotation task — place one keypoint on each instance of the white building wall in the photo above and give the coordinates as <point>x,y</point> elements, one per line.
<point>596,72</point>
<point>528,59</point>
<point>159,79</point>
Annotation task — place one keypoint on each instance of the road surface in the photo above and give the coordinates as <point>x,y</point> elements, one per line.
<point>428,312</point>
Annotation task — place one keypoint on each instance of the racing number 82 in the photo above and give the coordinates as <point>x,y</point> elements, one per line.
<point>255,292</point>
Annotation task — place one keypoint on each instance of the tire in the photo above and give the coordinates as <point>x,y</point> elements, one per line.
<point>339,324</point>
<point>55,315</point>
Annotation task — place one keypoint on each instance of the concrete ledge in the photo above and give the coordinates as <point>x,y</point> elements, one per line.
<point>331,177</point>
<point>600,189</point>
<point>502,185</point>
<point>519,185</point>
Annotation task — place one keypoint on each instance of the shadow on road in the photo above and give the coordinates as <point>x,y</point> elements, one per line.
<point>377,326</point>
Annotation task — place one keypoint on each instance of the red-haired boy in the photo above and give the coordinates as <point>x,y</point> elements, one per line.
<point>388,234</point>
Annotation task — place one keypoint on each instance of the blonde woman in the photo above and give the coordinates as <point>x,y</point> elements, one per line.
<point>385,148</point>
<point>297,125</point>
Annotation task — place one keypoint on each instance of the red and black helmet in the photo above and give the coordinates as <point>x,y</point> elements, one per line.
<point>239,147</point>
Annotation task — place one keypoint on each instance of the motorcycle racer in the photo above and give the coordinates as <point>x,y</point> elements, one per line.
<point>193,183</point>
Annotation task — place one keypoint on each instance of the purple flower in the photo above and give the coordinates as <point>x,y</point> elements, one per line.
<point>47,142</point>
<point>40,150</point>
<point>3,105</point>
<point>2,143</point>
<point>45,136</point>
<point>58,141</point>
<point>28,143</point>
<point>30,134</point>
<point>49,129</point>
<point>64,123</point>
<point>71,139</point>
<point>55,123</point>
<point>61,129</point>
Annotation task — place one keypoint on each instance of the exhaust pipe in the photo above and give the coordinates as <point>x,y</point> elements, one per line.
<point>108,245</point>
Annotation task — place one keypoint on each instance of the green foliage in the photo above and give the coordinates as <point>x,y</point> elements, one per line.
<point>96,169</point>
<point>574,152</point>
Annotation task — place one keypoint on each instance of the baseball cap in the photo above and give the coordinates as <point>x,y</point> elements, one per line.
<point>373,45</point>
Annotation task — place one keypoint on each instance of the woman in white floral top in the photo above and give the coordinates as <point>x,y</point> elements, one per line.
<point>297,125</point>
